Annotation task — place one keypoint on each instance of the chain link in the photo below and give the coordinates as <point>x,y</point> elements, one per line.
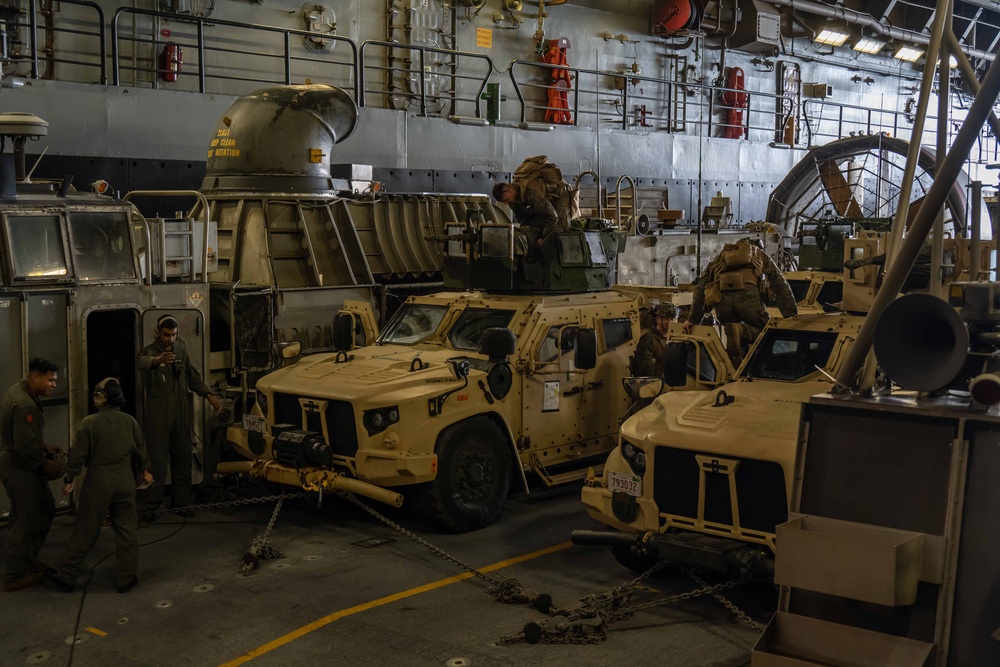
<point>260,547</point>
<point>507,590</point>
<point>225,504</point>
<point>727,603</point>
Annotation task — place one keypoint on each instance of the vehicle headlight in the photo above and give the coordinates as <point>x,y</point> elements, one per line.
<point>635,457</point>
<point>262,402</point>
<point>380,419</point>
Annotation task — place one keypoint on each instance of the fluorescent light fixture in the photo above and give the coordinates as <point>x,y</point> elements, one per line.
<point>831,37</point>
<point>908,53</point>
<point>868,45</point>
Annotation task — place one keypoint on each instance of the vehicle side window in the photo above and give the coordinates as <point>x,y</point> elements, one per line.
<point>468,329</point>
<point>554,343</point>
<point>699,361</point>
<point>617,331</point>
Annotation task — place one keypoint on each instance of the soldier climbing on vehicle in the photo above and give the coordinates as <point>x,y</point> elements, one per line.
<point>539,198</point>
<point>737,284</point>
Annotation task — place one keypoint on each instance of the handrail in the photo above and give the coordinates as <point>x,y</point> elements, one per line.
<point>200,23</point>
<point>618,200</point>
<point>100,33</point>
<point>597,180</point>
<point>163,251</point>
<point>422,50</point>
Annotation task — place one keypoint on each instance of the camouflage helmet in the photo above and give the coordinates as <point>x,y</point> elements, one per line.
<point>664,309</point>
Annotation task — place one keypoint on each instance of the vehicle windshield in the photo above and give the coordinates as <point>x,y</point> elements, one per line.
<point>789,355</point>
<point>467,330</point>
<point>412,323</point>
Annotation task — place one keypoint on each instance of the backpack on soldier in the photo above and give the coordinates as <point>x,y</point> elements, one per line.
<point>545,179</point>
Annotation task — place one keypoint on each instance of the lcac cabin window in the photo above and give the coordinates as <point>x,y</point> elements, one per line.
<point>38,247</point>
<point>102,246</point>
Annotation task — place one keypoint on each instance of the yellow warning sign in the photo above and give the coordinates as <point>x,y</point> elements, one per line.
<point>484,38</point>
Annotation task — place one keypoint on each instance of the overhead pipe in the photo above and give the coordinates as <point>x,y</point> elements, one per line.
<point>868,21</point>
<point>951,167</point>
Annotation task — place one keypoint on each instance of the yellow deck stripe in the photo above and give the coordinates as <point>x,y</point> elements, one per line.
<point>99,633</point>
<point>330,618</point>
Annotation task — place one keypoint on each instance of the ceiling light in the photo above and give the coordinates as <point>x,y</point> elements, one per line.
<point>908,53</point>
<point>868,45</point>
<point>952,62</point>
<point>831,37</point>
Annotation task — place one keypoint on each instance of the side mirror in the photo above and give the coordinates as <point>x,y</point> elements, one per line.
<point>674,363</point>
<point>497,343</point>
<point>289,350</point>
<point>343,332</point>
<point>586,348</point>
<point>460,367</point>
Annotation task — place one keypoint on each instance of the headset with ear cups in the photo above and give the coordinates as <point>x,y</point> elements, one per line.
<point>107,390</point>
<point>166,322</point>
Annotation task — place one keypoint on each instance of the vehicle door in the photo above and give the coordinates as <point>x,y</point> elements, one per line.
<point>553,387</point>
<point>604,399</point>
<point>40,263</point>
<point>191,329</point>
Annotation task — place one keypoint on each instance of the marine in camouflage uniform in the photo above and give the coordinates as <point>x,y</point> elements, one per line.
<point>24,470</point>
<point>533,211</point>
<point>649,350</point>
<point>110,444</point>
<point>737,284</point>
<point>168,376</point>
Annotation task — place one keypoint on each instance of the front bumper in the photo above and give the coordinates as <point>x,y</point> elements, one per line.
<point>598,501</point>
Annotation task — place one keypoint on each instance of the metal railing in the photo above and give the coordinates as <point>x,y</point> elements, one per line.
<point>827,121</point>
<point>48,55</point>
<point>427,76</point>
<point>667,105</point>
<point>394,76</point>
<point>205,49</point>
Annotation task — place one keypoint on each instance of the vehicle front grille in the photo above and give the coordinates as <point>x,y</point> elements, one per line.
<point>339,419</point>
<point>760,490</point>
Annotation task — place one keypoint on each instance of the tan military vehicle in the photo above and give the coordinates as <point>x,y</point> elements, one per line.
<point>703,477</point>
<point>461,392</point>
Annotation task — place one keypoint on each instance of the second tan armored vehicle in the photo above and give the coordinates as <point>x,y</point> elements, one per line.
<point>705,476</point>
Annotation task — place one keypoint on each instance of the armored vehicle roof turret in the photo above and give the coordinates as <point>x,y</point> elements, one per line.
<point>500,257</point>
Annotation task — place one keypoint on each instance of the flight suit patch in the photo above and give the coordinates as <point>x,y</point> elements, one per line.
<point>29,418</point>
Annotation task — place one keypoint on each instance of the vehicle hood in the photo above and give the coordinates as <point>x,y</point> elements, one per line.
<point>383,371</point>
<point>762,420</point>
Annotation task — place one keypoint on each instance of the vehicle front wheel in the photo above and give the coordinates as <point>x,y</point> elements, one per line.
<point>472,481</point>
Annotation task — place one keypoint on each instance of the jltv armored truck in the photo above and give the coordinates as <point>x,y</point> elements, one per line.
<point>703,477</point>
<point>462,391</point>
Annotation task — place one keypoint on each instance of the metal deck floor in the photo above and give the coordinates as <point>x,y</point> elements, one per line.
<point>332,601</point>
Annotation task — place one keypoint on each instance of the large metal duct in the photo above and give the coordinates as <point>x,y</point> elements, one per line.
<point>280,139</point>
<point>812,182</point>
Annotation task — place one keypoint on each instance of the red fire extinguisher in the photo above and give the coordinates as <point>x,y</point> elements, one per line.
<point>171,59</point>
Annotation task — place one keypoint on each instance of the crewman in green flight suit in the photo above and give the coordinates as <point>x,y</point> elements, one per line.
<point>168,375</point>
<point>26,465</point>
<point>110,444</point>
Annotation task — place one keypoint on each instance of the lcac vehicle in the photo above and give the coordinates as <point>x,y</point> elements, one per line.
<point>462,390</point>
<point>83,279</point>
<point>703,477</point>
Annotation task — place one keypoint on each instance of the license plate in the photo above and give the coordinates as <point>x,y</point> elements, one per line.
<point>623,483</point>
<point>254,424</point>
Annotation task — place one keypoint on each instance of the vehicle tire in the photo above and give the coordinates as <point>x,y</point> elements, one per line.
<point>473,478</point>
<point>634,561</point>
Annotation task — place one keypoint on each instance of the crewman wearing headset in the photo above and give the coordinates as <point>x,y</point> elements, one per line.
<point>168,375</point>
<point>110,444</point>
